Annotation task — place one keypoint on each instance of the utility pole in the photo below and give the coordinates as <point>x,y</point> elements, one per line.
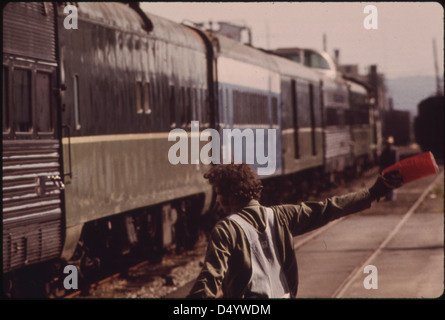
<point>325,47</point>
<point>436,68</point>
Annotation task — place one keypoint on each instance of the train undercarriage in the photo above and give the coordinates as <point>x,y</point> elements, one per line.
<point>112,243</point>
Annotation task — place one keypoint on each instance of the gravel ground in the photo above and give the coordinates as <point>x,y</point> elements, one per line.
<point>147,280</point>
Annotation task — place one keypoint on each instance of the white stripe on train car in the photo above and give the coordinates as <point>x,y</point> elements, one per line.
<point>247,75</point>
<point>116,137</point>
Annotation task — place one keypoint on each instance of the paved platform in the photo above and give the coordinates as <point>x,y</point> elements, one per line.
<point>410,264</point>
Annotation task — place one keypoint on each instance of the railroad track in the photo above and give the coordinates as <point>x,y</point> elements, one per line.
<point>339,293</point>
<point>402,240</point>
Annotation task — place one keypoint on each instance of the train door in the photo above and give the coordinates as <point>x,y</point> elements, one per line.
<point>295,119</point>
<point>225,122</point>
<point>275,106</point>
<point>227,109</point>
<point>311,107</point>
<point>32,185</point>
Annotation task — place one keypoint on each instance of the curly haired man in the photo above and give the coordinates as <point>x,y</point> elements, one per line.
<point>250,252</point>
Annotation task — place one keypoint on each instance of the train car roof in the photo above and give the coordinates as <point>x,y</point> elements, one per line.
<point>176,33</point>
<point>356,87</point>
<point>235,50</point>
<point>238,51</point>
<point>115,15</point>
<point>122,17</point>
<point>295,70</point>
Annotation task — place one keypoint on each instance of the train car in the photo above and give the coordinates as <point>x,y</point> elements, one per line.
<point>87,116</point>
<point>350,128</point>
<point>362,126</point>
<point>337,140</point>
<point>32,206</point>
<point>337,131</point>
<point>130,79</point>
<point>429,125</point>
<point>301,116</point>
<point>248,85</point>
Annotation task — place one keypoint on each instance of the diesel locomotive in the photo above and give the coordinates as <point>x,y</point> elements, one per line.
<point>87,113</point>
<point>429,125</point>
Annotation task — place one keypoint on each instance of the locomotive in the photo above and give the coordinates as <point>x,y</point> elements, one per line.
<point>87,113</point>
<point>429,125</point>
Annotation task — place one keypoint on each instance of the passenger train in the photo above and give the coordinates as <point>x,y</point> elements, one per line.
<point>87,113</point>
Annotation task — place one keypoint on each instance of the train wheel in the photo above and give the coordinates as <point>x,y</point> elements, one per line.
<point>7,286</point>
<point>54,286</point>
<point>154,233</point>
<point>316,183</point>
<point>54,290</point>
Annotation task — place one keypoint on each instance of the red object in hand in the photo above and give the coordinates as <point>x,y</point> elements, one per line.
<point>415,167</point>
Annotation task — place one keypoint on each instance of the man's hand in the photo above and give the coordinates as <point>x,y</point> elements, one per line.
<point>385,183</point>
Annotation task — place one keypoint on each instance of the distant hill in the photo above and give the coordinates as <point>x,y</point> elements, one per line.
<point>407,92</point>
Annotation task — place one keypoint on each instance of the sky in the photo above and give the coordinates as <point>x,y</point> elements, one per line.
<point>401,46</point>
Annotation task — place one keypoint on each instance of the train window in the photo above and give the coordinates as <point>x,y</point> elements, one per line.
<point>254,103</point>
<point>303,101</point>
<point>360,117</point>
<point>76,102</point>
<point>189,106</point>
<point>183,107</point>
<point>331,117</point>
<point>5,106</point>
<point>253,108</point>
<point>311,99</point>
<point>154,93</point>
<point>206,108</point>
<point>239,106</point>
<point>317,104</point>
<point>193,104</point>
<point>294,57</point>
<point>315,60</point>
<point>226,109</point>
<point>365,117</point>
<point>220,105</point>
<point>295,115</point>
<point>172,107</point>
<point>203,106</point>
<point>248,101</point>
<point>274,110</point>
<point>341,116</point>
<point>197,104</point>
<point>43,113</point>
<point>349,117</point>
<point>359,109</point>
<point>264,103</point>
<point>22,100</point>
<point>139,108</point>
<point>147,107</point>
